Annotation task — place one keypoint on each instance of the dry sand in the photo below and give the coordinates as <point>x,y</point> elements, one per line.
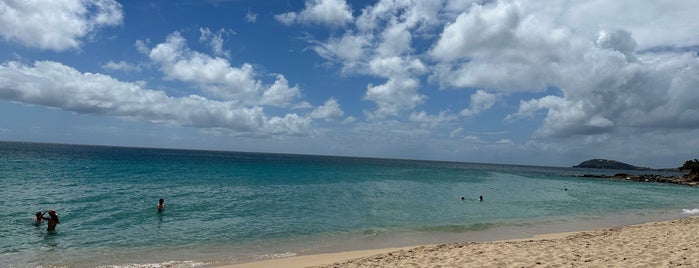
<point>659,244</point>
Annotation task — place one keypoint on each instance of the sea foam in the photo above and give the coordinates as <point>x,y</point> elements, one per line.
<point>691,211</point>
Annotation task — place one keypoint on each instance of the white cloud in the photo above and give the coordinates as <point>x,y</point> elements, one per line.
<point>620,41</point>
<point>56,25</point>
<point>331,13</point>
<point>653,23</point>
<point>215,41</point>
<point>217,77</point>
<point>279,93</point>
<point>479,32</point>
<point>142,46</point>
<point>250,17</point>
<point>395,40</point>
<point>328,111</point>
<point>430,121</point>
<point>382,47</point>
<point>396,95</point>
<point>597,69</point>
<point>504,46</point>
<point>472,139</point>
<point>505,141</point>
<point>606,83</point>
<point>395,66</point>
<point>53,84</point>
<point>349,50</point>
<point>480,101</point>
<point>614,94</point>
<point>121,66</point>
<point>349,120</point>
<point>456,132</point>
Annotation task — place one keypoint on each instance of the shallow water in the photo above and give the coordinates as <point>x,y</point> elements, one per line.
<point>229,207</point>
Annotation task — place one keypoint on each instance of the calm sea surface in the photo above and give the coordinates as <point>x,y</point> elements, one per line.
<point>229,207</point>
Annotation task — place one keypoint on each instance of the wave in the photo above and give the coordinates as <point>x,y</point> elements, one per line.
<point>168,264</point>
<point>690,211</point>
<point>275,256</point>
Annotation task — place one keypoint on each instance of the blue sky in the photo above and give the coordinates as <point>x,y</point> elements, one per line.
<point>517,82</point>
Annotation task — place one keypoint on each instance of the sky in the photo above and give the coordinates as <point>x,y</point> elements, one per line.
<point>549,83</point>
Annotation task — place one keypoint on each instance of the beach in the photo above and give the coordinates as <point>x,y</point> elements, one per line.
<point>656,244</point>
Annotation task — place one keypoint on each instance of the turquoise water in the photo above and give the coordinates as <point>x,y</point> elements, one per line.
<point>228,207</point>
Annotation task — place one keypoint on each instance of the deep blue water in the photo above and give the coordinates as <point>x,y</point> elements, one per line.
<point>225,207</point>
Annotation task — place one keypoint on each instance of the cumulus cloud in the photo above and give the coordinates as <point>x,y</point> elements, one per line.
<point>505,46</point>
<point>606,84</point>
<point>596,69</point>
<point>56,25</point>
<point>350,50</point>
<point>610,90</point>
<point>280,93</point>
<point>53,84</point>
<point>331,13</point>
<point>381,46</point>
<point>653,24</point>
<point>480,32</point>
<point>328,111</point>
<point>394,96</point>
<point>216,76</point>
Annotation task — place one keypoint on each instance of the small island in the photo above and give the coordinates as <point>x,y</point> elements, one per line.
<point>690,179</point>
<point>608,164</point>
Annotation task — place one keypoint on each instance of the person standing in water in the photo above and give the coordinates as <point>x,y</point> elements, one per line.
<point>161,205</point>
<point>52,220</point>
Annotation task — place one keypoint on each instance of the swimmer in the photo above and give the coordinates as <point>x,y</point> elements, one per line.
<point>480,198</point>
<point>52,220</point>
<point>38,217</point>
<point>161,205</point>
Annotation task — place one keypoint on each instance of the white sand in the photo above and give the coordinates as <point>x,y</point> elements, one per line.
<point>659,244</point>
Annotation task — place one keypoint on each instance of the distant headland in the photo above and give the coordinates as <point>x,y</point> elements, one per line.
<point>612,164</point>
<point>691,179</point>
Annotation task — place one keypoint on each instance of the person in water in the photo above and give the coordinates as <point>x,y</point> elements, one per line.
<point>39,217</point>
<point>52,220</point>
<point>161,205</point>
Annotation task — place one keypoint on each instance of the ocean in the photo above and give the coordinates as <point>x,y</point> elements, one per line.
<point>232,207</point>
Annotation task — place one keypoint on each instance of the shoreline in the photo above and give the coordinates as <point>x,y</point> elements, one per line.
<point>657,243</point>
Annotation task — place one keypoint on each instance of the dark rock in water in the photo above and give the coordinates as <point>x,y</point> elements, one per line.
<point>684,180</point>
<point>608,164</point>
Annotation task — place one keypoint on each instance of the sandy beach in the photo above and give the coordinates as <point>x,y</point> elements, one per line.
<point>657,244</point>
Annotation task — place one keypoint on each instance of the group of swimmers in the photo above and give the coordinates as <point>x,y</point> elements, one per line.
<point>52,219</point>
<point>480,198</point>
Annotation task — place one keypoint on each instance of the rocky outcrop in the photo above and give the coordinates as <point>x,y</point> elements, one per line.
<point>687,179</point>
